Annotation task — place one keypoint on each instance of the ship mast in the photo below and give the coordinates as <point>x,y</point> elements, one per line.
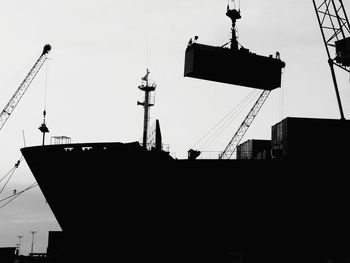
<point>147,87</point>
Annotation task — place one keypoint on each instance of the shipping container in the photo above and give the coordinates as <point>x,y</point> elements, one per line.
<point>240,67</point>
<point>254,149</point>
<point>308,138</point>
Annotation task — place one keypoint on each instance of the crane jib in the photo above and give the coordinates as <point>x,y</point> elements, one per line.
<point>11,105</point>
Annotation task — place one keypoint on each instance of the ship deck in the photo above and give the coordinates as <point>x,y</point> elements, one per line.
<point>161,209</point>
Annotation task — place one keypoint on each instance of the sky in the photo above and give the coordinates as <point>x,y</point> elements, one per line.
<point>100,51</point>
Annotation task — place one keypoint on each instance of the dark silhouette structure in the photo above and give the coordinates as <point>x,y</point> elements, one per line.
<point>43,128</point>
<point>160,209</point>
<point>191,210</point>
<point>234,15</point>
<point>147,88</point>
<point>7,254</point>
<point>56,245</point>
<point>311,139</point>
<point>16,97</point>
<point>254,149</point>
<point>235,65</point>
<point>193,154</point>
<point>335,30</point>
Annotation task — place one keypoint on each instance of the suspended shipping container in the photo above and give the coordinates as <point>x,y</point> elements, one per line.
<point>240,67</point>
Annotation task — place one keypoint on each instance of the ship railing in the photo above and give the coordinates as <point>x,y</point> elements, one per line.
<point>252,155</point>
<point>60,140</point>
<point>165,147</point>
<point>209,155</point>
<point>150,146</point>
<point>38,255</point>
<point>242,155</point>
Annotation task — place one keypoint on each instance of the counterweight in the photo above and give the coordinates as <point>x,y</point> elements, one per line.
<point>11,105</point>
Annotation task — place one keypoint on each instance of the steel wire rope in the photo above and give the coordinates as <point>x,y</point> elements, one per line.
<point>10,174</point>
<point>8,179</point>
<point>20,192</point>
<point>283,80</point>
<point>232,118</point>
<point>45,86</point>
<point>228,118</point>
<point>14,196</point>
<point>234,3</point>
<point>229,122</point>
<point>222,119</point>
<point>7,174</point>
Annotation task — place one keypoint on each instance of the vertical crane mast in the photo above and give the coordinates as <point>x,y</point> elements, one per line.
<point>11,105</point>
<point>335,29</point>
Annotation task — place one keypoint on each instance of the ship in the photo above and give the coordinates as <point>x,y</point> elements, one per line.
<point>134,201</point>
<point>120,201</point>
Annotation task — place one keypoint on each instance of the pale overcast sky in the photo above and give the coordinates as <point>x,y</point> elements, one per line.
<point>101,49</point>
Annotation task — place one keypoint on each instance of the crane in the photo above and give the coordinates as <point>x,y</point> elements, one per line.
<point>11,105</point>
<point>235,65</point>
<point>232,145</point>
<point>335,29</point>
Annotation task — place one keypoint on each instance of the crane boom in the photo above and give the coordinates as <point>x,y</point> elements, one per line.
<point>11,105</point>
<point>335,30</point>
<point>232,146</point>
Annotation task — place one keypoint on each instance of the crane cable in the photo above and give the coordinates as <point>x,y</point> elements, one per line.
<point>234,4</point>
<point>224,122</point>
<point>283,79</point>
<point>228,116</point>
<point>15,195</point>
<point>231,119</point>
<point>10,174</point>
<point>46,82</point>
<point>236,111</point>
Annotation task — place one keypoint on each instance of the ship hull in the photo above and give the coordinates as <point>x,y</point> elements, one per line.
<point>118,200</point>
